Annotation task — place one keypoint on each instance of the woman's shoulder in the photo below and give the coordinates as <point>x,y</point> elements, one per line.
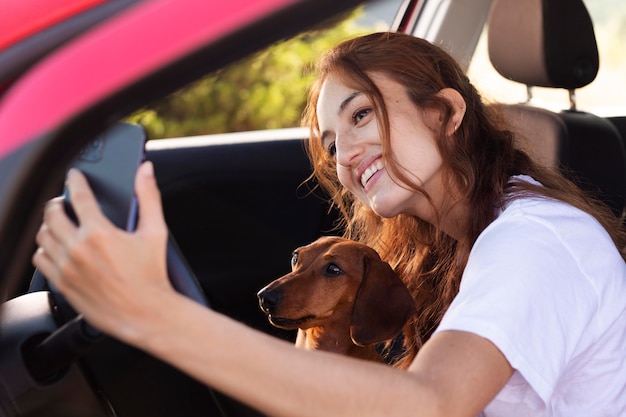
<point>541,213</point>
<point>550,234</point>
<point>538,221</point>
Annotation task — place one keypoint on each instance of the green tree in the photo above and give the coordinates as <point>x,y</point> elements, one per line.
<point>264,91</point>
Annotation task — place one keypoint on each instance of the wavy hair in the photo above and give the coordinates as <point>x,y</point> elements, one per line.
<point>479,159</point>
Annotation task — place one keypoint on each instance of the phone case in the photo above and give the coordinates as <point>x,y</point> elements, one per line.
<point>110,163</point>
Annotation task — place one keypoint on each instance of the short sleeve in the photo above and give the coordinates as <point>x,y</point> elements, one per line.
<point>523,291</point>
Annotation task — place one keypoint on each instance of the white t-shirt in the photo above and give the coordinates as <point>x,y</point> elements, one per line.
<point>545,284</point>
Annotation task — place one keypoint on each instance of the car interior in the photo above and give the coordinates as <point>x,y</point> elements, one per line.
<point>238,204</point>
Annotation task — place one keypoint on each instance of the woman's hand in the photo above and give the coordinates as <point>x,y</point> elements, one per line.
<point>114,278</point>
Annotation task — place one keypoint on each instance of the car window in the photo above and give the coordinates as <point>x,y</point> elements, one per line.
<point>604,96</point>
<point>265,91</point>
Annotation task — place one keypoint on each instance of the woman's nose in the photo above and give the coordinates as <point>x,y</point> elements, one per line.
<point>348,149</point>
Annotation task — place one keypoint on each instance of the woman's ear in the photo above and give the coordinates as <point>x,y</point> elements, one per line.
<point>458,108</point>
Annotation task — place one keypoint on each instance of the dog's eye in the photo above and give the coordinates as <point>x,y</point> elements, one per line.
<point>333,270</point>
<point>294,259</point>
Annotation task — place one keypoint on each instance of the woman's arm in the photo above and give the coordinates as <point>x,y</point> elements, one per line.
<point>456,373</point>
<point>118,280</point>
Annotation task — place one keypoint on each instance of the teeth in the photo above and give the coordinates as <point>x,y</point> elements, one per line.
<point>371,170</point>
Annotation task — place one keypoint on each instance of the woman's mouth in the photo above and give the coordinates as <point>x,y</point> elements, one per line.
<point>370,171</point>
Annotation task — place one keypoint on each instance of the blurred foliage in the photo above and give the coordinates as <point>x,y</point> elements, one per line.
<point>265,91</point>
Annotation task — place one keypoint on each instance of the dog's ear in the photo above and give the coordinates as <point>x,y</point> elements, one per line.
<point>383,304</point>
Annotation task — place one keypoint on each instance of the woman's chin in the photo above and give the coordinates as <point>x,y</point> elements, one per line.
<point>384,211</point>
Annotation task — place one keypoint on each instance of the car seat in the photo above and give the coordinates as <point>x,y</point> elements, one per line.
<point>551,43</point>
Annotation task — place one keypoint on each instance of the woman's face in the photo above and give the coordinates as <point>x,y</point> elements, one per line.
<point>350,129</point>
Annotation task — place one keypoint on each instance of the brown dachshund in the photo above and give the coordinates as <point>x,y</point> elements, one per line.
<point>340,296</point>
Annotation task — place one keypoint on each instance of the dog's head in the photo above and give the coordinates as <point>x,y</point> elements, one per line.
<point>339,279</point>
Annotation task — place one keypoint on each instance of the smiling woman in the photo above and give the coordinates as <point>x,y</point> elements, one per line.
<point>347,120</point>
<point>450,181</point>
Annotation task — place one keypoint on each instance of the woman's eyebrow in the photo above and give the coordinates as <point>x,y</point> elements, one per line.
<point>347,101</point>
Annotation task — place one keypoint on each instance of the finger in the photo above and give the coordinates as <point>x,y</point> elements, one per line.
<point>82,198</point>
<point>48,268</point>
<point>48,242</point>
<point>55,219</point>
<point>149,199</point>
<point>52,270</point>
<point>55,233</point>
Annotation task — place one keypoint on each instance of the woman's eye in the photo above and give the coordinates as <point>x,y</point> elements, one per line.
<point>333,270</point>
<point>360,115</point>
<point>331,149</point>
<point>294,259</point>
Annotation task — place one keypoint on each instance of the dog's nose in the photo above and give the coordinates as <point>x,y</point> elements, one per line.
<point>268,299</point>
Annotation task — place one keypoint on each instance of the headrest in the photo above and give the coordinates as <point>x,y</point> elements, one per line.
<point>546,43</point>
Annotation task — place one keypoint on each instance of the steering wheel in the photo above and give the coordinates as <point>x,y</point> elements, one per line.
<point>48,357</point>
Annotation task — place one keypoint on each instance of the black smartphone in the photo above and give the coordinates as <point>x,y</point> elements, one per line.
<point>110,162</point>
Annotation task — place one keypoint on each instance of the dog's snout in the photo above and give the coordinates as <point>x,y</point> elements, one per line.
<point>268,299</point>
